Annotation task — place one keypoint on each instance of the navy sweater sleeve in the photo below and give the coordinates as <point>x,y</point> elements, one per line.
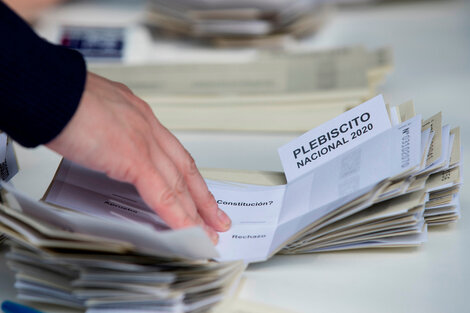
<point>40,83</point>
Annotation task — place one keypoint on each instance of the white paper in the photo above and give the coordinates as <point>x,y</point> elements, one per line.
<point>334,138</point>
<point>255,214</point>
<point>147,239</point>
<point>349,176</point>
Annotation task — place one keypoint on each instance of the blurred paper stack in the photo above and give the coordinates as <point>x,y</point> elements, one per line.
<point>258,23</point>
<point>277,92</point>
<point>8,164</point>
<point>74,260</point>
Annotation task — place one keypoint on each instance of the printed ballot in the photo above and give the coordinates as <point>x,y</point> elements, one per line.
<point>333,138</point>
<point>320,192</point>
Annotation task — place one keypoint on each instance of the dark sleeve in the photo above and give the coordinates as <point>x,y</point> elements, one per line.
<point>40,83</point>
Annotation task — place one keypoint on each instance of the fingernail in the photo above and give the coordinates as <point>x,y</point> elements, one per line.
<point>223,218</point>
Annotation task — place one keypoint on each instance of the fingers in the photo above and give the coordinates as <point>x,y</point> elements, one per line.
<point>166,201</point>
<point>183,185</point>
<point>203,198</point>
<point>164,188</point>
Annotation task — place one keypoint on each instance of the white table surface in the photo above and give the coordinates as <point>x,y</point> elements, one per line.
<point>431,42</point>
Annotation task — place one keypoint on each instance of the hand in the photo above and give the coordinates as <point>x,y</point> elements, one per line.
<point>115,132</point>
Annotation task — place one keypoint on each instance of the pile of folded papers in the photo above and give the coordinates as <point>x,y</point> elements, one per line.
<point>444,175</point>
<point>394,210</point>
<point>74,260</point>
<point>237,23</point>
<point>274,92</point>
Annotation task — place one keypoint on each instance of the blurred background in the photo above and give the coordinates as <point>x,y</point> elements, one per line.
<point>269,68</point>
<point>219,57</point>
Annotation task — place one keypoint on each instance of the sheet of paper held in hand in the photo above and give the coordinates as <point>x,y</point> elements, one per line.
<point>265,217</point>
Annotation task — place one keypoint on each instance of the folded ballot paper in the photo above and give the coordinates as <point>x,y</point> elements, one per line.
<point>375,176</point>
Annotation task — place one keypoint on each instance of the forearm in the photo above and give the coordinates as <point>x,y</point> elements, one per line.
<point>40,84</point>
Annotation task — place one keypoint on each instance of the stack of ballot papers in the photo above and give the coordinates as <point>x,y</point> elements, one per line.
<point>8,164</point>
<point>444,170</point>
<point>395,212</point>
<point>274,92</point>
<point>374,176</point>
<point>237,23</point>
<point>76,260</point>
